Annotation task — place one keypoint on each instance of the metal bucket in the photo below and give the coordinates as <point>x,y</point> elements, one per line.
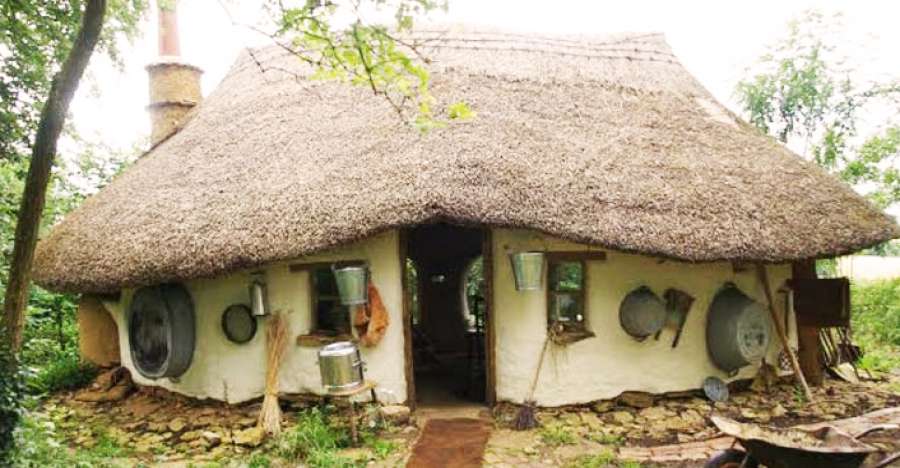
<point>528,269</point>
<point>353,284</point>
<point>341,368</point>
<point>259,300</point>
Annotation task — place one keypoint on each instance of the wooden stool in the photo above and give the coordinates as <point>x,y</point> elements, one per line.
<point>349,394</point>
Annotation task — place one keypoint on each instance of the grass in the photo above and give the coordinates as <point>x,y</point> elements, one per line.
<point>606,458</point>
<point>876,323</point>
<point>314,441</point>
<point>608,439</point>
<point>555,434</point>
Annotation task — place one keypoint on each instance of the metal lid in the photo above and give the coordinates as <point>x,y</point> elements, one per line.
<point>715,389</point>
<point>341,348</point>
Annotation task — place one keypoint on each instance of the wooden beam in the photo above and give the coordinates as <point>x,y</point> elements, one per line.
<point>809,354</point>
<point>407,324</point>
<point>490,337</point>
<point>779,328</point>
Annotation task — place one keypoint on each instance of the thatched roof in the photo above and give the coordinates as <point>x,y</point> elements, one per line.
<point>607,141</point>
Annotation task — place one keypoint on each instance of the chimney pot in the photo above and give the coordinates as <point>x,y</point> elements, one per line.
<point>174,84</point>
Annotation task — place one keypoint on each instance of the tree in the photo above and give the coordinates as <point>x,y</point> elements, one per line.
<point>806,96</point>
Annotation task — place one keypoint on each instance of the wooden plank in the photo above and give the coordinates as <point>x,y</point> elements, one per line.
<point>307,266</point>
<point>490,356</point>
<point>779,327</point>
<point>407,323</point>
<point>583,255</point>
<point>809,354</point>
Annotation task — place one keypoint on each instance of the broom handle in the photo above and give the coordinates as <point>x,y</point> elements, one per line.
<point>779,327</point>
<point>538,373</point>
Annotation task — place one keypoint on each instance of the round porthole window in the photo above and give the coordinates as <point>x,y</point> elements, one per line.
<point>161,330</point>
<point>238,323</point>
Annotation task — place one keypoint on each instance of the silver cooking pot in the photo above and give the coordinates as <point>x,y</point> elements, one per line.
<point>341,367</point>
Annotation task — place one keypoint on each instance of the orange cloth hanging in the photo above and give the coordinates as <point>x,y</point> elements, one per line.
<point>371,320</point>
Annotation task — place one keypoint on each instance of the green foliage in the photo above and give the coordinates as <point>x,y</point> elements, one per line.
<point>380,57</point>
<point>876,323</point>
<point>556,434</point>
<point>805,92</point>
<point>35,38</point>
<point>65,373</point>
<point>312,438</point>
<point>259,460</point>
<point>11,394</point>
<point>606,458</point>
<point>381,448</point>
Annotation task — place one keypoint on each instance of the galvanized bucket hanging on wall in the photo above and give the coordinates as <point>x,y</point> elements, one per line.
<point>528,270</point>
<point>353,284</point>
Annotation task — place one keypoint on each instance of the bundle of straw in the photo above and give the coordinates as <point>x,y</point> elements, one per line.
<point>276,337</point>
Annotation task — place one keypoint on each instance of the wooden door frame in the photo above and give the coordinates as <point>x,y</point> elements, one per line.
<point>490,393</point>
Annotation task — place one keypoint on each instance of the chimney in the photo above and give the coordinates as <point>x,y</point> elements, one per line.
<point>174,84</point>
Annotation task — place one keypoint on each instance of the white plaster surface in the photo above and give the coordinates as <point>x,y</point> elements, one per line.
<point>236,372</point>
<point>612,362</point>
<point>593,369</point>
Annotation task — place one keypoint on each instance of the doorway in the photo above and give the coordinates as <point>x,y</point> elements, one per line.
<point>447,295</point>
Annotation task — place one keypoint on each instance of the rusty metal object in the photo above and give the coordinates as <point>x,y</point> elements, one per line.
<point>826,447</point>
<point>822,302</point>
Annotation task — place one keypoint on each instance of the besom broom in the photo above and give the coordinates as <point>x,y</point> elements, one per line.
<point>270,413</point>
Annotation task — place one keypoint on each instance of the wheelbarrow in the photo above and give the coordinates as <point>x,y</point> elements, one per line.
<point>827,447</point>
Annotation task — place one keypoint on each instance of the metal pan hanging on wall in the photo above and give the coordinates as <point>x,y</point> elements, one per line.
<point>737,330</point>
<point>161,330</point>
<point>642,313</point>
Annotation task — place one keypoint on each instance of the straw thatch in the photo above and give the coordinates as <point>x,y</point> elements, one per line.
<point>607,141</point>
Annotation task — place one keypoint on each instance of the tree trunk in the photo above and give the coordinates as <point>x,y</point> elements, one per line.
<point>53,116</point>
<point>807,336</point>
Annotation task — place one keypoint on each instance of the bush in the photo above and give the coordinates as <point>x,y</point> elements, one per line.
<point>313,439</point>
<point>876,323</point>
<point>11,394</point>
<point>65,373</point>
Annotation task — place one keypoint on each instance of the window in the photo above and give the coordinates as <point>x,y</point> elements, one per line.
<point>565,292</point>
<point>329,316</point>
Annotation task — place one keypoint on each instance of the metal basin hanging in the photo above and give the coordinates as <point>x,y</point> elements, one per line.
<point>340,365</point>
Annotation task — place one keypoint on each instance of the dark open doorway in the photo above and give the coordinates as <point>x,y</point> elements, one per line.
<point>446,290</point>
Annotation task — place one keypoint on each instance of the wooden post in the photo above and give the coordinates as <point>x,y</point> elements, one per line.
<point>779,327</point>
<point>808,336</point>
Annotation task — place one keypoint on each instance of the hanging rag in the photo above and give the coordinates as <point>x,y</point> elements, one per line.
<point>371,320</point>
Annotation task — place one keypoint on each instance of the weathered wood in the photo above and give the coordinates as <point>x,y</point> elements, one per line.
<point>809,354</point>
<point>779,328</point>
<point>490,337</point>
<point>43,152</point>
<point>407,324</point>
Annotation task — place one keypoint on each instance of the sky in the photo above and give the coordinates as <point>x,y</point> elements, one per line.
<point>716,40</point>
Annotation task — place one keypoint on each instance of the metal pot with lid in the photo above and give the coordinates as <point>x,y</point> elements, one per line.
<point>341,367</point>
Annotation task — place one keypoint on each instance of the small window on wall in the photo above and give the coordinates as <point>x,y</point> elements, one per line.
<point>329,316</point>
<point>565,292</point>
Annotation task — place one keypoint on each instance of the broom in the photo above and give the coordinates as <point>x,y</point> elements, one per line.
<point>525,418</point>
<point>270,413</point>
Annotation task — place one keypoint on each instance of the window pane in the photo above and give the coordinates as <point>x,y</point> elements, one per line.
<point>566,276</point>
<point>566,307</point>
<point>330,314</point>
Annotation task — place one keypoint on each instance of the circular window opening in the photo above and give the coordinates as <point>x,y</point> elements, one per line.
<point>238,323</point>
<point>161,331</point>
